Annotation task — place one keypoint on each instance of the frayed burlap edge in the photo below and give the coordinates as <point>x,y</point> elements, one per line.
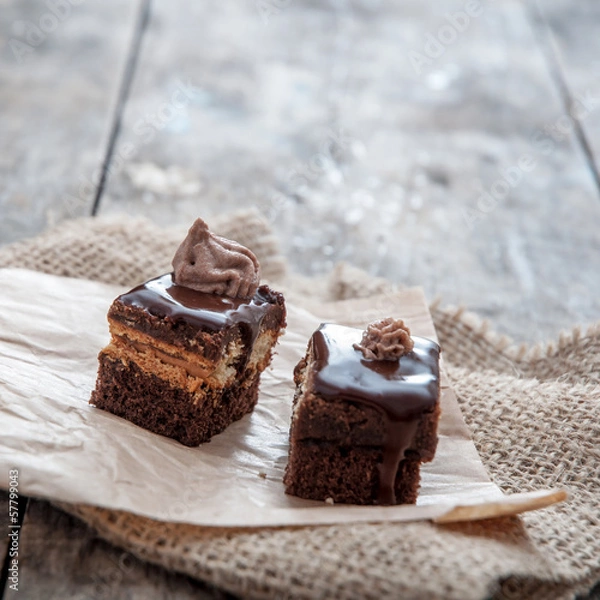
<point>526,408</point>
<point>571,359</point>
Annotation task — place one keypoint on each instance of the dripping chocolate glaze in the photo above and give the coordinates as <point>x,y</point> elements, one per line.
<point>401,390</point>
<point>163,298</point>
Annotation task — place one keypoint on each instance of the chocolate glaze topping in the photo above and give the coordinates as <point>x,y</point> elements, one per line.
<point>401,390</point>
<point>165,299</point>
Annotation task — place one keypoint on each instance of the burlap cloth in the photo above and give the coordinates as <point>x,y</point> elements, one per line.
<point>534,414</point>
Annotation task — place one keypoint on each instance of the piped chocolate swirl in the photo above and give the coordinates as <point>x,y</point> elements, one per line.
<point>209,263</point>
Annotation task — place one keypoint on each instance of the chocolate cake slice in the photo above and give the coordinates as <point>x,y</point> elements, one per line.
<point>185,362</point>
<point>365,415</point>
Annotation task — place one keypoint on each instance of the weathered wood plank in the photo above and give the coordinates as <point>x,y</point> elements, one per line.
<point>339,121</point>
<point>570,33</point>
<point>61,67</point>
<point>63,559</point>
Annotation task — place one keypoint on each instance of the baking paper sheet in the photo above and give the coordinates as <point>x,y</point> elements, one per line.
<point>51,329</point>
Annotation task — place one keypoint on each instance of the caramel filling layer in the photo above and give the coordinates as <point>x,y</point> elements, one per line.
<point>179,371</point>
<point>120,331</point>
<point>194,370</point>
<point>186,370</point>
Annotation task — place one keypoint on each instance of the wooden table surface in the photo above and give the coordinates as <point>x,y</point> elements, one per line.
<point>452,144</point>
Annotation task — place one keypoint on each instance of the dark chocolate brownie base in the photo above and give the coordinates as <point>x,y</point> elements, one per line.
<point>336,447</point>
<point>150,402</point>
<point>346,474</point>
<point>355,424</point>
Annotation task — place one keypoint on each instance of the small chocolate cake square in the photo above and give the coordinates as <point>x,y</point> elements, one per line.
<point>362,426</point>
<point>184,362</point>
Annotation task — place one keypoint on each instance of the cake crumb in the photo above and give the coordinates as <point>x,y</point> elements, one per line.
<point>329,501</point>
<point>262,474</point>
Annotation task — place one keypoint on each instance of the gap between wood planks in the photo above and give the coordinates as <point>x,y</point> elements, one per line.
<point>134,52</point>
<point>551,52</point>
